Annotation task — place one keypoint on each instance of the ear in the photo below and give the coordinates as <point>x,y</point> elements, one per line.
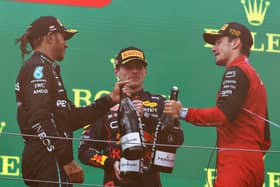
<point>116,71</point>
<point>50,37</point>
<point>236,43</point>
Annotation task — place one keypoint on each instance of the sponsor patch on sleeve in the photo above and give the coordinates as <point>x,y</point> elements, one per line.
<point>38,72</point>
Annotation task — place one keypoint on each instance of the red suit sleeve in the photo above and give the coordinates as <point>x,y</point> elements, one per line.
<point>206,116</point>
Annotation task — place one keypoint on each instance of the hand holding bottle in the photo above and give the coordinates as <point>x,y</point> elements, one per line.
<point>168,131</point>
<point>117,169</point>
<point>172,108</point>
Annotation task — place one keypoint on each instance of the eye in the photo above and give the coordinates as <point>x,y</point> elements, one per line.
<point>218,41</point>
<point>133,65</point>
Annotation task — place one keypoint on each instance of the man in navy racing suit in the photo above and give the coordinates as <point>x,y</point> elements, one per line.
<point>44,110</point>
<point>105,154</point>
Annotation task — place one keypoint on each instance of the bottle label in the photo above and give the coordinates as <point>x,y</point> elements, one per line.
<point>130,165</point>
<point>165,159</point>
<point>130,140</point>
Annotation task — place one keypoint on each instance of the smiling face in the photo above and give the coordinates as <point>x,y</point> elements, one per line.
<point>134,71</point>
<point>223,49</point>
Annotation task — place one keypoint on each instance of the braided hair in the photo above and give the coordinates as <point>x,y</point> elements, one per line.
<point>25,39</point>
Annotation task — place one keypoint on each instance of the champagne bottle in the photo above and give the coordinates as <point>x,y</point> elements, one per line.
<point>167,121</point>
<point>130,170</point>
<point>130,130</point>
<point>168,132</point>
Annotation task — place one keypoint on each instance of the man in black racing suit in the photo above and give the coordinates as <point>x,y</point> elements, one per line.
<point>44,110</point>
<point>106,153</point>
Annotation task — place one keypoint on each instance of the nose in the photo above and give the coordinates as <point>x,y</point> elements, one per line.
<point>214,48</point>
<point>135,68</point>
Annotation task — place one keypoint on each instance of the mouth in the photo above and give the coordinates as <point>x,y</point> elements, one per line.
<point>133,77</point>
<point>216,54</point>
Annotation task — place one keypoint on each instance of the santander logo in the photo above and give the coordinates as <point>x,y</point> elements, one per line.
<point>85,3</point>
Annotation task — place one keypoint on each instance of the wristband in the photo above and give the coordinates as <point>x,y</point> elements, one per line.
<point>183,113</point>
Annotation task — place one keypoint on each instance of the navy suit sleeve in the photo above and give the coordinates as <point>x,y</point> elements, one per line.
<point>233,92</point>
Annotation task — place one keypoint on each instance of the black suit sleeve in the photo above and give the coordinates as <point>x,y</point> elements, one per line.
<point>233,92</point>
<point>90,114</point>
<point>91,152</point>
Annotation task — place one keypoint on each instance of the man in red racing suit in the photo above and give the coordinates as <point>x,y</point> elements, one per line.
<point>242,137</point>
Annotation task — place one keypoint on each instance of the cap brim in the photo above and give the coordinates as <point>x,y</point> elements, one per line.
<point>134,60</point>
<point>211,37</point>
<point>69,33</point>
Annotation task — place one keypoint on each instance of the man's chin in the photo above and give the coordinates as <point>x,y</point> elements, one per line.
<point>220,63</point>
<point>133,86</point>
<point>60,59</point>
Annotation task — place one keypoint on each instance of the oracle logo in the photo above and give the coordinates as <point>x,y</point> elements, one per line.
<point>84,3</point>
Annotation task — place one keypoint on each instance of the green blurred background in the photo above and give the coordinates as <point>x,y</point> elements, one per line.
<point>170,33</point>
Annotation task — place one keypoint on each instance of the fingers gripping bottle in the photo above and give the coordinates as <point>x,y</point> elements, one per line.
<point>169,133</point>
<point>131,130</point>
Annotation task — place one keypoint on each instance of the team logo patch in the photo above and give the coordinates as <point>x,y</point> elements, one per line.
<point>171,138</point>
<point>100,159</point>
<point>149,104</point>
<point>38,72</point>
<point>132,53</point>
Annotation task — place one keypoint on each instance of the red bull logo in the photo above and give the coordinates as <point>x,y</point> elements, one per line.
<point>99,159</point>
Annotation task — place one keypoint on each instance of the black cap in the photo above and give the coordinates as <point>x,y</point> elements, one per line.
<point>46,24</point>
<point>130,54</point>
<point>232,29</point>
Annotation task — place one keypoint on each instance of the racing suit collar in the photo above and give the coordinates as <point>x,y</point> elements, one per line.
<point>237,60</point>
<point>138,95</point>
<point>45,59</point>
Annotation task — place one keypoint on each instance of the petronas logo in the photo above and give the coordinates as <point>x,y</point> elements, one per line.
<point>255,10</point>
